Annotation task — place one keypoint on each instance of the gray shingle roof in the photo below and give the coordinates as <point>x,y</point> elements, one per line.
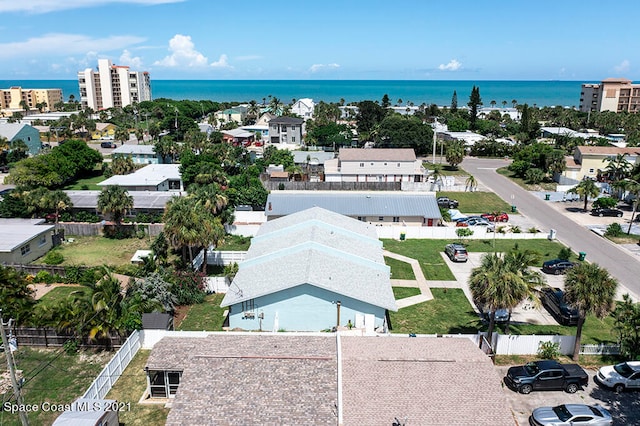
<point>355,203</point>
<point>377,154</point>
<point>286,120</point>
<point>155,200</point>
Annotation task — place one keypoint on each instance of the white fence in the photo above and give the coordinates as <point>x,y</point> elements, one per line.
<point>112,371</point>
<point>216,284</point>
<point>449,232</point>
<point>224,258</point>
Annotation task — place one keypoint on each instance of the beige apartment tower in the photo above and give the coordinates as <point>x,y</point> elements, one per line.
<point>612,94</point>
<point>36,99</point>
<point>112,86</point>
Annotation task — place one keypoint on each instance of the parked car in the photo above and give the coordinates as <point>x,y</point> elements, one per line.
<point>546,375</point>
<point>557,266</point>
<point>496,217</point>
<point>606,212</point>
<point>571,415</point>
<point>447,203</point>
<point>466,218</point>
<point>107,145</point>
<point>456,252</point>
<point>553,299</point>
<point>619,377</point>
<point>502,315</point>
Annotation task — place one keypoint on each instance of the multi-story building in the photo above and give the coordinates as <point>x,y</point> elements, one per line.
<point>375,165</point>
<point>612,94</point>
<point>40,99</point>
<point>112,86</point>
<point>286,130</point>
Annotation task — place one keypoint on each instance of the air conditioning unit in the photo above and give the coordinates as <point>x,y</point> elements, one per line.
<point>249,314</point>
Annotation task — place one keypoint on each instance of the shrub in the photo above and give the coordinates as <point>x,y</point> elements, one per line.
<point>516,229</point>
<point>43,277</point>
<point>534,175</point>
<point>614,230</point>
<point>520,167</point>
<point>605,202</point>
<point>66,217</point>
<point>501,229</point>
<point>188,288</point>
<point>533,230</point>
<point>87,217</point>
<point>564,253</point>
<point>71,347</point>
<point>84,187</point>
<point>281,186</point>
<point>549,350</point>
<point>53,257</point>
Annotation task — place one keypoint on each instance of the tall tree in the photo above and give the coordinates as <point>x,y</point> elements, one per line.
<point>16,297</point>
<point>115,200</point>
<point>585,189</point>
<point>590,289</point>
<point>474,102</point>
<point>455,153</point>
<point>454,102</point>
<point>386,102</point>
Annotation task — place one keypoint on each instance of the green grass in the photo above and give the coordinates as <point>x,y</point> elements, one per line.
<point>235,243</point>
<point>129,389</point>
<point>594,331</point>
<point>204,316</point>
<point>543,186</point>
<point>53,377</point>
<point>447,170</point>
<point>400,270</point>
<point>91,181</point>
<point>57,295</point>
<point>98,250</point>
<point>477,201</point>
<point>404,292</point>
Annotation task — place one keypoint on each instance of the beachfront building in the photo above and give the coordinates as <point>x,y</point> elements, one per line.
<point>303,108</point>
<point>113,86</point>
<point>237,115</point>
<point>36,99</point>
<point>612,94</point>
<point>375,165</point>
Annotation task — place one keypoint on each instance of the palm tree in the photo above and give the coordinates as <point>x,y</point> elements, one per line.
<point>455,154</point>
<point>121,135</point>
<point>471,184</point>
<point>436,174</point>
<point>591,290</point>
<point>618,168</point>
<point>586,188</point>
<point>115,200</point>
<point>275,105</point>
<point>496,285</point>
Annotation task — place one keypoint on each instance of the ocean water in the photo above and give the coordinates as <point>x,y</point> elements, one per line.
<point>540,93</point>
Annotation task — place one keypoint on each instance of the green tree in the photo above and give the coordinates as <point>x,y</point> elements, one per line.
<point>386,102</point>
<point>454,102</point>
<point>115,201</point>
<point>398,131</point>
<point>16,298</point>
<point>470,184</point>
<point>585,189</point>
<point>474,102</point>
<point>591,290</point>
<point>455,153</point>
<point>121,134</point>
<point>618,167</point>
<point>627,325</point>
<point>534,175</point>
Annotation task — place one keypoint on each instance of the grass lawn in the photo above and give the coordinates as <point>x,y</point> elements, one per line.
<point>625,239</point>
<point>477,201</point>
<point>404,292</point>
<point>447,170</point>
<point>91,182</point>
<point>57,295</point>
<point>54,377</point>
<point>543,186</point>
<point>129,389</point>
<point>204,316</point>
<point>400,270</point>
<point>98,250</point>
<point>235,243</point>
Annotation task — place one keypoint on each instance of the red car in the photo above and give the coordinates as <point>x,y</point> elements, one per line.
<point>496,217</point>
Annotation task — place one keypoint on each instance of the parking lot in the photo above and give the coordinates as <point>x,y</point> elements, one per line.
<point>624,407</point>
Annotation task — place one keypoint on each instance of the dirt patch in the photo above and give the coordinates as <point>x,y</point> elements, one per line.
<point>180,315</point>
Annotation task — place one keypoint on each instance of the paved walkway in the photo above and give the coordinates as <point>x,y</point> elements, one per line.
<point>420,282</point>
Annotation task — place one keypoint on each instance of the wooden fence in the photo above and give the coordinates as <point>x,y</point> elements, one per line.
<point>90,229</point>
<point>34,269</point>
<point>50,337</point>
<point>332,186</point>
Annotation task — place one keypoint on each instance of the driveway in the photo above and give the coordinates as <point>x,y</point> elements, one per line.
<point>624,407</point>
<point>621,263</point>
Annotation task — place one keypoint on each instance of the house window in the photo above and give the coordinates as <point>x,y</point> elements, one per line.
<point>396,219</point>
<point>293,139</point>
<point>42,240</point>
<point>398,164</point>
<point>163,384</point>
<point>25,249</point>
<point>361,164</point>
<point>380,218</point>
<point>591,170</point>
<point>362,218</point>
<point>385,164</point>
<point>293,127</point>
<point>248,309</point>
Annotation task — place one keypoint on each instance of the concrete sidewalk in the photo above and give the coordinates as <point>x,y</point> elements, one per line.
<point>420,282</point>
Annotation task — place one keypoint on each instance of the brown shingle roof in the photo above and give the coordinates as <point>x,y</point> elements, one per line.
<point>377,154</point>
<point>427,381</point>
<point>608,150</point>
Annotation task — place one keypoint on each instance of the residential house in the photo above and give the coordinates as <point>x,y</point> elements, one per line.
<point>468,138</point>
<point>325,379</point>
<point>303,108</point>
<point>24,240</point>
<point>317,269</point>
<point>374,165</point>
<point>312,162</point>
<point>286,130</point>
<point>139,154</point>
<point>238,137</point>
<point>391,208</point>
<point>588,161</point>
<point>104,131</point>
<point>154,177</point>
<point>236,115</point>
<point>26,133</point>
<point>150,202</point>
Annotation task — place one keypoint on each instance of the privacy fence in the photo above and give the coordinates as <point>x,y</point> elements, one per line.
<point>50,337</point>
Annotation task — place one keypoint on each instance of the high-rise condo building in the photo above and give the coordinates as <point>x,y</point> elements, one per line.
<point>112,86</point>
<point>612,94</point>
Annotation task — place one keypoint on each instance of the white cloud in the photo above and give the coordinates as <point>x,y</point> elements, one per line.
<point>134,62</point>
<point>183,54</point>
<point>319,67</point>
<point>64,45</point>
<point>46,6</point>
<point>453,65</point>
<point>623,66</point>
<point>221,63</point>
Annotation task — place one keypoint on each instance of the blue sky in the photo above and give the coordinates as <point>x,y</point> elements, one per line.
<point>326,39</point>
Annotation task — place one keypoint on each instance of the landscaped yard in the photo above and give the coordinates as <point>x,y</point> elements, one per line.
<point>543,186</point>
<point>404,292</point>
<point>477,201</point>
<point>235,243</point>
<point>400,270</point>
<point>98,250</point>
<point>57,295</point>
<point>204,316</point>
<point>54,377</point>
<point>89,182</point>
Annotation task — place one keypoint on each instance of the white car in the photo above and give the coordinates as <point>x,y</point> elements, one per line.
<point>619,377</point>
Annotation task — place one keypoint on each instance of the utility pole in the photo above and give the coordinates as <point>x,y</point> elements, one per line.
<point>12,372</point>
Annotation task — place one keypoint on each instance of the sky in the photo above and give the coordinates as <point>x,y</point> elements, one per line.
<point>573,40</point>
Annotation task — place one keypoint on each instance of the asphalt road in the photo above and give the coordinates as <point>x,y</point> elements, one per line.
<point>619,262</point>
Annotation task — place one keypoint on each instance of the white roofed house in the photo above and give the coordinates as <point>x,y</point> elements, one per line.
<point>24,240</point>
<point>375,165</point>
<point>303,108</point>
<point>154,177</point>
<point>139,154</point>
<point>311,271</point>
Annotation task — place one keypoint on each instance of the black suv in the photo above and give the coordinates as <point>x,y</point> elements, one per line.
<point>606,212</point>
<point>553,299</point>
<point>107,145</point>
<point>557,266</point>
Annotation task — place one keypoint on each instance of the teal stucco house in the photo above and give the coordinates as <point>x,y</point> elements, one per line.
<point>311,271</point>
<point>24,132</point>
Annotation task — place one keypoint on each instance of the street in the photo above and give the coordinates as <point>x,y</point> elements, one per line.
<point>619,262</point>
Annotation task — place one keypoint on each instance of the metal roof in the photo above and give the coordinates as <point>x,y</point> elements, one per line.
<point>16,232</point>
<point>153,174</point>
<point>153,200</point>
<point>315,157</point>
<point>355,203</point>
<point>134,149</point>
